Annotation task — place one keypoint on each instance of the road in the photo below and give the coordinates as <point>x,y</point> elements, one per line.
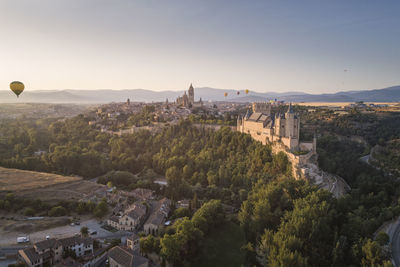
<point>8,244</point>
<point>9,239</point>
<point>394,235</point>
<point>365,158</point>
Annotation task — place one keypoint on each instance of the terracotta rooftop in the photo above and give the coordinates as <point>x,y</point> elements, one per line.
<point>126,257</point>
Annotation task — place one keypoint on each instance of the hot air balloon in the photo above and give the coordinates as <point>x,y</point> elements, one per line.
<point>225,94</point>
<point>238,93</point>
<point>17,87</point>
<point>247,91</point>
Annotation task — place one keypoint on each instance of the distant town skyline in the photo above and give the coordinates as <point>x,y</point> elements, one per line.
<point>265,46</point>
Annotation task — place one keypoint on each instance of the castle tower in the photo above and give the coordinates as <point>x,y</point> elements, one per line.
<point>239,124</point>
<point>291,127</point>
<point>191,94</point>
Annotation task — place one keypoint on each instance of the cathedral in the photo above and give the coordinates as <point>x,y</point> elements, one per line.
<point>187,100</point>
<point>267,128</point>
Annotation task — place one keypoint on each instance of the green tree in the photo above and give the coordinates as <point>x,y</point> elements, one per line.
<point>373,254</point>
<point>382,238</point>
<point>84,231</point>
<point>209,216</point>
<point>29,212</point>
<point>194,203</point>
<point>306,234</point>
<point>82,208</point>
<point>101,209</point>
<point>180,247</point>
<point>181,212</point>
<point>170,249</point>
<point>57,211</point>
<point>149,244</point>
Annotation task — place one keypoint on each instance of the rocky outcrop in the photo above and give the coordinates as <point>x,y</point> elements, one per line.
<point>333,183</point>
<point>306,167</point>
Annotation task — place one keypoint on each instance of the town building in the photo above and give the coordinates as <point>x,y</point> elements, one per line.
<point>125,257</point>
<point>50,251</point>
<point>156,220</point>
<point>133,242</point>
<point>132,218</point>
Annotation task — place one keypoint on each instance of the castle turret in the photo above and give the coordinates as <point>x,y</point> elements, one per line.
<point>239,123</point>
<point>291,125</point>
<point>247,115</point>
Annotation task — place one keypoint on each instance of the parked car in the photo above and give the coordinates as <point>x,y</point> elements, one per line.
<point>22,239</point>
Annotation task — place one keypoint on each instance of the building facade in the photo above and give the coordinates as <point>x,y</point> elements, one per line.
<point>50,251</point>
<point>156,220</point>
<point>130,219</point>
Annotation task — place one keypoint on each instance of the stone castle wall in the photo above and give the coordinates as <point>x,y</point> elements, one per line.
<point>297,161</point>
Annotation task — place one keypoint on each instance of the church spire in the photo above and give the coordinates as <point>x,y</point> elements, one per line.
<point>290,110</point>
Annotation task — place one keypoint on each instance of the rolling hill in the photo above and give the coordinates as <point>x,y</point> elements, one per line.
<point>390,94</point>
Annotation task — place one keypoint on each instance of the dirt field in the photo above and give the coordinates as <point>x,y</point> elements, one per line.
<point>339,104</point>
<point>76,190</point>
<point>47,186</point>
<point>18,180</point>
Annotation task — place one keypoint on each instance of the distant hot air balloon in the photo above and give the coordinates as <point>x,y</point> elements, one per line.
<point>247,91</point>
<point>225,94</point>
<point>238,93</point>
<point>17,87</point>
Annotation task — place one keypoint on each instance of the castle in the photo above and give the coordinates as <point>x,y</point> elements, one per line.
<point>282,132</point>
<point>283,128</point>
<point>187,100</point>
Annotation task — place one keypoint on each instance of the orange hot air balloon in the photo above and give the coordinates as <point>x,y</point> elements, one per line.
<point>247,91</point>
<point>17,87</point>
<point>225,94</point>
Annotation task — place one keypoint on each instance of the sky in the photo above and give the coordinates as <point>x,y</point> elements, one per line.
<point>316,46</point>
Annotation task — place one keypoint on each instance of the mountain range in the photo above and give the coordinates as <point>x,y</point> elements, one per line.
<point>390,94</point>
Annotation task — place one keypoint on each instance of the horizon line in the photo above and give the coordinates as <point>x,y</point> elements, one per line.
<point>153,90</point>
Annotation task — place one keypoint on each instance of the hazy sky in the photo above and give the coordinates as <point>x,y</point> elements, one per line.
<point>167,44</point>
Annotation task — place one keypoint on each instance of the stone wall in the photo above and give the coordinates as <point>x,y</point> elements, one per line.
<point>296,160</point>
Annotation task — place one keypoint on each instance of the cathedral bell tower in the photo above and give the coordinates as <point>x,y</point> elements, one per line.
<point>191,94</point>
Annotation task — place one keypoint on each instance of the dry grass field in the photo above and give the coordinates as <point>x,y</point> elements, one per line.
<point>47,186</point>
<point>339,104</point>
<point>76,190</point>
<point>19,180</point>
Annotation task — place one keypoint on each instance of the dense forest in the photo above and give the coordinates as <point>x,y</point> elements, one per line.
<point>285,222</point>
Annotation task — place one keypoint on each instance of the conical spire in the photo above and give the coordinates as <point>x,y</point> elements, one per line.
<point>290,110</point>
<point>247,114</point>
